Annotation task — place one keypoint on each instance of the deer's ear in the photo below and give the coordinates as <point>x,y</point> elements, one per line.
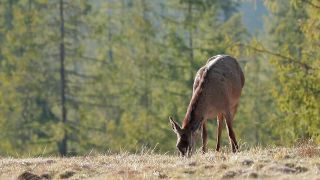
<point>175,126</point>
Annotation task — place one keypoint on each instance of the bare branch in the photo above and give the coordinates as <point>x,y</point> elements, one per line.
<point>75,73</point>
<point>311,4</point>
<point>290,59</point>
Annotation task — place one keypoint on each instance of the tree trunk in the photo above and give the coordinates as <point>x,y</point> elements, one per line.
<point>190,42</point>
<point>63,144</point>
<point>145,58</point>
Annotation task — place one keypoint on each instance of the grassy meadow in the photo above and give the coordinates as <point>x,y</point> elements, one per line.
<point>301,162</point>
<point>81,80</point>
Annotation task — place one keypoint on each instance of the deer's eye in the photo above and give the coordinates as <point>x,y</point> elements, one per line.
<point>184,136</point>
<point>183,145</point>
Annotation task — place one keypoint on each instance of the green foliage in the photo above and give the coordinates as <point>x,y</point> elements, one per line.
<point>295,33</point>
<point>130,64</point>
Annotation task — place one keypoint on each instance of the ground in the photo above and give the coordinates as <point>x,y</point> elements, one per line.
<point>263,163</point>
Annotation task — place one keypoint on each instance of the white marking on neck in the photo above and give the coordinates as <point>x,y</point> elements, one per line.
<point>213,61</point>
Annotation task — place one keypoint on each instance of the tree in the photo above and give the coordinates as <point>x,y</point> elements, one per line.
<point>31,87</point>
<point>296,59</point>
<point>81,75</point>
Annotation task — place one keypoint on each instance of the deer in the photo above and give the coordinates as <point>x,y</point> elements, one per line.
<point>216,93</point>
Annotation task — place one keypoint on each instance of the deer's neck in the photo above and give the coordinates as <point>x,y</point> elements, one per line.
<point>193,119</point>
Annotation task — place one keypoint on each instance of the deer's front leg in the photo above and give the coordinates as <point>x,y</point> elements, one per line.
<point>204,137</point>
<point>219,129</point>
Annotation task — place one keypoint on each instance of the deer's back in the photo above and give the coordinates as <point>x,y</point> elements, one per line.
<point>222,84</point>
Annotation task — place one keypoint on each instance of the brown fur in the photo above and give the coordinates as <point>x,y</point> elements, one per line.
<point>216,92</point>
<point>195,96</point>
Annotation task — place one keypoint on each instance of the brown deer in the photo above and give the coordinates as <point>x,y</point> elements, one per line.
<point>216,92</point>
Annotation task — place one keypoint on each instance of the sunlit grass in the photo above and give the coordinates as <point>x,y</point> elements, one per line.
<point>297,162</point>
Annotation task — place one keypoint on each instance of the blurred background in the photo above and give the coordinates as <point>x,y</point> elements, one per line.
<point>104,75</point>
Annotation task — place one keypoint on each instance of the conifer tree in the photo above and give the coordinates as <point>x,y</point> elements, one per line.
<point>295,32</point>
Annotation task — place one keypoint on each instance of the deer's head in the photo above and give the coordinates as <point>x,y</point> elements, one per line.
<point>185,139</point>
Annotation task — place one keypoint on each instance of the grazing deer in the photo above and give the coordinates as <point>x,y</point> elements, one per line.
<point>216,92</point>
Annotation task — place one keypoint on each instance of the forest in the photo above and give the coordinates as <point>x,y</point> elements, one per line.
<point>93,75</point>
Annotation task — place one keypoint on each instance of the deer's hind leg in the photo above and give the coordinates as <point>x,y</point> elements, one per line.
<point>232,137</point>
<point>219,130</point>
<point>204,137</point>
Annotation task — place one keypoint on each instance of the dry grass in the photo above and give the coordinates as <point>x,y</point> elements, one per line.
<point>281,163</point>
